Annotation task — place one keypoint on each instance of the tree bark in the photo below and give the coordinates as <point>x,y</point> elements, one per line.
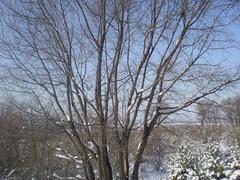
<point>140,151</point>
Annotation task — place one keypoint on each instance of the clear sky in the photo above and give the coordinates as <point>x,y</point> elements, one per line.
<point>233,55</point>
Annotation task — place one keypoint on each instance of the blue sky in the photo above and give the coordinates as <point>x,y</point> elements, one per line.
<point>233,54</point>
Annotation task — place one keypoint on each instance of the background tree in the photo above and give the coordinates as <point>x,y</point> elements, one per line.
<point>114,66</point>
<point>209,113</point>
<point>26,146</point>
<point>210,118</point>
<point>231,110</point>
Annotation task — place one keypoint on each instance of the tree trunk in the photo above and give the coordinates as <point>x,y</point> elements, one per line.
<point>125,158</point>
<point>88,168</point>
<point>106,166</point>
<point>138,157</point>
<point>107,169</point>
<point>121,161</point>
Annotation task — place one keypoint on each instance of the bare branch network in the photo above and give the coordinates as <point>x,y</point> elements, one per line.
<point>124,64</point>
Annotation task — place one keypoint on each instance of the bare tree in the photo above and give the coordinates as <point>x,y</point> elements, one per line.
<point>114,66</point>
<point>26,142</point>
<point>231,108</point>
<point>231,114</point>
<point>209,113</point>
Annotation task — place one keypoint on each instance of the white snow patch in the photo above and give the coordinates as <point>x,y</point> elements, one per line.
<point>131,106</point>
<point>79,176</point>
<point>62,156</point>
<point>58,149</point>
<point>139,146</point>
<point>67,117</point>
<point>153,175</point>
<point>11,172</point>
<point>141,90</point>
<point>235,175</point>
<point>160,93</point>
<point>90,145</point>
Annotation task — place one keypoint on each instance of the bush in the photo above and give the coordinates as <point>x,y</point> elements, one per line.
<point>202,164</point>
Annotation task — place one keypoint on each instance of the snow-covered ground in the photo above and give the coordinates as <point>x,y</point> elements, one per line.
<point>153,175</point>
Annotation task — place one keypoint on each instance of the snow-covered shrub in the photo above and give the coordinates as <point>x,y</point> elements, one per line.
<point>201,164</point>
<point>183,164</point>
<point>211,163</point>
<point>232,163</point>
<point>236,152</point>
